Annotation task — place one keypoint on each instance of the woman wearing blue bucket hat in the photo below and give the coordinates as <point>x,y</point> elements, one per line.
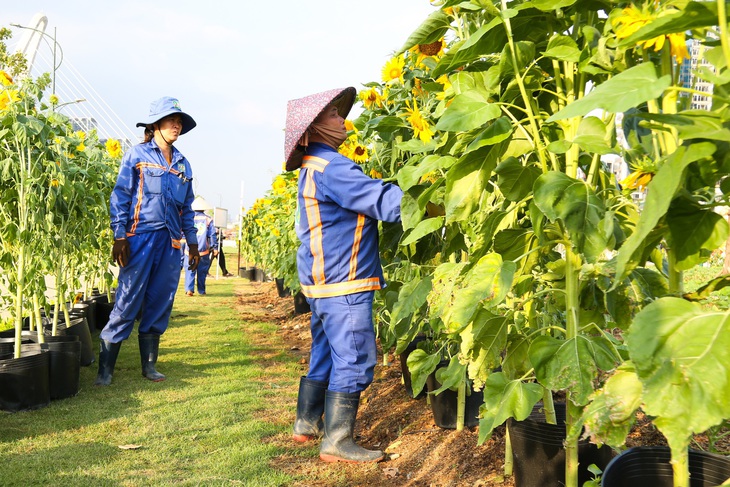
<point>150,210</point>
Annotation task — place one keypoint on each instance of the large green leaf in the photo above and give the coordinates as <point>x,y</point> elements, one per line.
<point>482,344</point>
<point>504,399</point>
<point>496,132</point>
<point>562,48</point>
<point>572,364</point>
<point>680,352</point>
<point>611,413</point>
<point>484,40</point>
<point>421,365</point>
<point>411,214</point>
<point>487,282</point>
<point>514,180</point>
<point>411,297</point>
<point>694,15</point>
<point>660,193</point>
<point>430,30</point>
<point>574,202</point>
<point>592,136</point>
<point>693,124</point>
<point>550,5</point>
<point>424,228</point>
<point>451,376</point>
<point>445,277</point>
<point>411,175</point>
<point>467,111</point>
<point>641,287</point>
<point>466,181</point>
<point>694,233</point>
<point>628,89</point>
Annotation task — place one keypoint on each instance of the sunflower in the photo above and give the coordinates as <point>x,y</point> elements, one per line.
<point>435,49</point>
<point>359,153</point>
<point>113,148</point>
<point>443,80</point>
<point>420,126</point>
<point>5,79</point>
<point>632,19</point>
<point>393,70</point>
<point>637,180</point>
<point>53,99</point>
<point>279,185</point>
<point>8,97</point>
<point>370,98</point>
<point>417,88</point>
<point>376,174</point>
<point>349,126</point>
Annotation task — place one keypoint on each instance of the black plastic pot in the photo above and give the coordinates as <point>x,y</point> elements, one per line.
<point>247,273</point>
<point>7,344</point>
<point>404,367</point>
<point>64,364</point>
<point>24,380</point>
<point>539,454</point>
<point>80,329</point>
<point>259,275</point>
<point>301,306</point>
<point>283,291</point>
<point>648,466</point>
<point>444,405</point>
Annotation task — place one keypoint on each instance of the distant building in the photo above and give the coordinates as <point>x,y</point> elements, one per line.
<point>699,101</point>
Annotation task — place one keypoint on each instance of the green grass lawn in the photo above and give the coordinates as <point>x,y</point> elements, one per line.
<point>207,424</point>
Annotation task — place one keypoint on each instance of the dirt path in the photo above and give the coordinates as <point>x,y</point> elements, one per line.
<point>420,454</point>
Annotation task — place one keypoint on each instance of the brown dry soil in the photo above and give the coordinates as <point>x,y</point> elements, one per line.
<point>419,454</point>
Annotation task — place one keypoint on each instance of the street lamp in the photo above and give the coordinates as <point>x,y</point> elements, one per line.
<point>58,107</point>
<point>56,45</point>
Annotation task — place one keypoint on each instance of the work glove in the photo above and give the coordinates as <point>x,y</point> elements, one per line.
<point>120,251</point>
<point>193,257</point>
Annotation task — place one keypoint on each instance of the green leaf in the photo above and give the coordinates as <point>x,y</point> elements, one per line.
<point>466,180</point>
<point>487,282</point>
<point>497,131</point>
<point>411,214</point>
<point>482,344</point>
<point>411,297</point>
<point>680,354</point>
<point>515,181</point>
<point>574,202</point>
<point>550,5</point>
<point>704,291</point>
<point>592,136</point>
<point>562,48</point>
<point>424,228</point>
<point>451,376</point>
<point>693,124</point>
<point>504,399</point>
<point>411,175</point>
<point>572,364</point>
<point>693,16</point>
<point>421,365</point>
<point>660,192</point>
<point>625,90</point>
<point>430,30</point>
<point>641,287</point>
<point>694,233</point>
<point>445,277</point>
<point>467,111</point>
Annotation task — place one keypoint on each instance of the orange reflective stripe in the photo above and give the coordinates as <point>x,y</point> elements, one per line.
<point>316,163</point>
<point>176,243</point>
<point>341,288</point>
<point>140,197</point>
<point>315,228</point>
<point>356,246</point>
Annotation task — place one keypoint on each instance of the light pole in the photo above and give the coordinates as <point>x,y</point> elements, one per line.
<point>58,107</point>
<point>57,60</point>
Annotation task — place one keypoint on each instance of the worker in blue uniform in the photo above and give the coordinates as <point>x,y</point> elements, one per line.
<point>207,239</point>
<point>150,210</point>
<point>339,269</point>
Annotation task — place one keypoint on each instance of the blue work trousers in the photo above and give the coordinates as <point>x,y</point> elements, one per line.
<point>201,273</point>
<point>148,284</point>
<point>343,342</point>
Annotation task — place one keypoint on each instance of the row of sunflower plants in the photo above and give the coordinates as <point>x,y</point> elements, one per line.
<point>268,236</point>
<point>54,199</point>
<point>525,261</point>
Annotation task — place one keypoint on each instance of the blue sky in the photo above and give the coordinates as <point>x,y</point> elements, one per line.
<point>232,64</point>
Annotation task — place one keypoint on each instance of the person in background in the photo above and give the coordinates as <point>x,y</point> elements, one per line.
<point>339,270</point>
<point>221,255</point>
<point>150,210</point>
<point>207,243</point>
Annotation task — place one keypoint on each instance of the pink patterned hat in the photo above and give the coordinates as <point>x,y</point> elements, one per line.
<point>300,114</point>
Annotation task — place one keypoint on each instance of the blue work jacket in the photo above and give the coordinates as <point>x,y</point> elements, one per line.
<point>151,195</point>
<point>337,224</point>
<point>207,236</point>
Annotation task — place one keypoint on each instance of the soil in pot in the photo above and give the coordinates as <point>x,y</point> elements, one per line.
<point>24,380</point>
<point>444,405</point>
<point>64,365</point>
<point>539,454</point>
<point>648,466</point>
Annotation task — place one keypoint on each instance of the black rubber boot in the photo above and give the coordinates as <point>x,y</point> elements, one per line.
<point>340,411</point>
<point>108,353</point>
<point>310,407</point>
<point>149,346</point>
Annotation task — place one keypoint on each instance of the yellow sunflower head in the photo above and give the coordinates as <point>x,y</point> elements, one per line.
<point>349,126</point>
<point>371,98</point>
<point>113,148</point>
<point>420,126</point>
<point>359,153</point>
<point>393,70</point>
<point>5,78</point>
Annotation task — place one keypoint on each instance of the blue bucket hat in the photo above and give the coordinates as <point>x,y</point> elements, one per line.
<point>165,106</point>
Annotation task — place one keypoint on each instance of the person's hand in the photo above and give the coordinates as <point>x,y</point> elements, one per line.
<point>120,251</point>
<point>193,257</point>
<point>214,253</point>
<point>433,210</point>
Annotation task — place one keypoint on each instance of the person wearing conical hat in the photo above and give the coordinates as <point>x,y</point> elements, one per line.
<point>150,210</point>
<point>207,240</point>
<point>339,270</point>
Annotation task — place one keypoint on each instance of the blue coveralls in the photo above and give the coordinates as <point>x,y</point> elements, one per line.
<point>339,265</point>
<point>150,206</point>
<point>207,242</point>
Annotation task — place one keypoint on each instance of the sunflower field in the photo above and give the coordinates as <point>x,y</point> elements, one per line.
<point>529,268</point>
